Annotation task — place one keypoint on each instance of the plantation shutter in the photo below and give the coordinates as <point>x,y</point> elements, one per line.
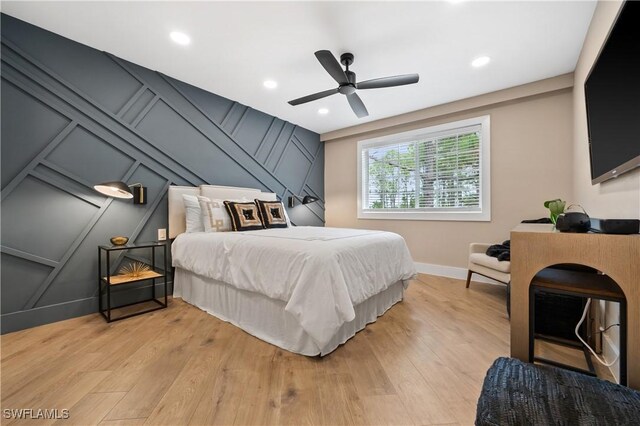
<point>431,172</point>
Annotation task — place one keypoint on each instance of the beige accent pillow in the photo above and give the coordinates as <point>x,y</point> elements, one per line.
<point>215,217</point>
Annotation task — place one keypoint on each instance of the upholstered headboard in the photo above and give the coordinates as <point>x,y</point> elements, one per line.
<point>177,220</point>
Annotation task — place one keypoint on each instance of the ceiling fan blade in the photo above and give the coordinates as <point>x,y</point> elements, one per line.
<point>396,80</point>
<point>357,105</point>
<point>331,64</point>
<point>309,98</point>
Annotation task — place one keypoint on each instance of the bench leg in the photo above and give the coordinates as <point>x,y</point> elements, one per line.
<point>469,277</point>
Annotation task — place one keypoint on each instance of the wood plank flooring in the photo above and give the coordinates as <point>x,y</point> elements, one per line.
<point>422,363</point>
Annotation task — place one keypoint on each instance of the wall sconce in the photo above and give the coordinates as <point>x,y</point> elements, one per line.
<point>119,189</point>
<point>305,200</point>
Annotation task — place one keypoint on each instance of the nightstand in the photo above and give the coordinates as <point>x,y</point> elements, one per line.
<point>108,281</point>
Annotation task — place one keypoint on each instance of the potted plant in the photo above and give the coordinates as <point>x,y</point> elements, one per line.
<point>556,208</point>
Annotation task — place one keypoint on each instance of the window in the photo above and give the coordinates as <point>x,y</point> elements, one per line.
<point>434,173</point>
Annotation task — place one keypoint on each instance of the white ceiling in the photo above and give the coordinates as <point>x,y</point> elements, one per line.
<point>237,45</point>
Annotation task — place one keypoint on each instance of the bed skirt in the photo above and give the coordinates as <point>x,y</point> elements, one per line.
<point>266,319</point>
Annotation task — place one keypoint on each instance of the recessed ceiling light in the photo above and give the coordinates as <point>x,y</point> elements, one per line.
<point>180,38</point>
<point>323,111</point>
<point>270,84</point>
<point>481,61</point>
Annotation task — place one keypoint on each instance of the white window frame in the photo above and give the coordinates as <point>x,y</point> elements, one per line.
<point>483,215</point>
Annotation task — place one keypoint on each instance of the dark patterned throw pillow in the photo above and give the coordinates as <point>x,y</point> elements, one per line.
<point>272,214</point>
<point>244,216</point>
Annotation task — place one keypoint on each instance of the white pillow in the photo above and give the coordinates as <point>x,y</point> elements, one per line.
<point>215,217</point>
<point>286,216</point>
<point>193,213</point>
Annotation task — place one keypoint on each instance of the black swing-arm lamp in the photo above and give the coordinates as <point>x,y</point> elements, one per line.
<point>305,200</point>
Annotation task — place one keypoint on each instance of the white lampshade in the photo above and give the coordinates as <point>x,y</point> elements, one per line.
<point>114,189</point>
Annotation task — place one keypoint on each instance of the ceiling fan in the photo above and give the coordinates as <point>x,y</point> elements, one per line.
<point>347,84</point>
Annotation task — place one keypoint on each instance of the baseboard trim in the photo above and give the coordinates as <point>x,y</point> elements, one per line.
<point>16,321</point>
<point>452,272</point>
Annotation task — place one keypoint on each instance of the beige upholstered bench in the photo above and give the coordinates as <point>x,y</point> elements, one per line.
<point>490,267</point>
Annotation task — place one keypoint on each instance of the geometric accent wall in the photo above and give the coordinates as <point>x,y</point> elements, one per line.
<point>73,116</point>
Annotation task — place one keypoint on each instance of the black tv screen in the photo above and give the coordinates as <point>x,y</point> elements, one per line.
<point>612,92</point>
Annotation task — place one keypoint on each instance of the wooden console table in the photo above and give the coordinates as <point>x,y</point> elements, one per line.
<point>538,246</point>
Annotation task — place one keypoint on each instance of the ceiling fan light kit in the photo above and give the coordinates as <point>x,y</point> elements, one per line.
<point>347,84</point>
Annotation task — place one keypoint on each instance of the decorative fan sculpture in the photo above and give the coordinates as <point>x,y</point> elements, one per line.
<point>134,269</point>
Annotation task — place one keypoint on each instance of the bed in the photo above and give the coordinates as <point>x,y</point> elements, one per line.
<point>305,289</point>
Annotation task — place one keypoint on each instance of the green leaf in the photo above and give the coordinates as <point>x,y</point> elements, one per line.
<point>556,208</point>
<point>546,203</point>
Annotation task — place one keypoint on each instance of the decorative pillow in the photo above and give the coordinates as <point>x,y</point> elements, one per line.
<point>214,216</point>
<point>272,214</point>
<point>193,213</point>
<point>244,216</point>
<point>271,198</point>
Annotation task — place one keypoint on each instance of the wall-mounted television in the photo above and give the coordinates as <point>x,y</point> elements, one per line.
<point>612,92</point>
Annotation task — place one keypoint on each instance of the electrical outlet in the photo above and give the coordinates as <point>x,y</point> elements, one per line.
<point>162,234</point>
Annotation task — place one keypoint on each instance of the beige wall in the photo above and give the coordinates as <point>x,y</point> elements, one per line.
<point>620,197</point>
<point>531,156</point>
<point>617,198</point>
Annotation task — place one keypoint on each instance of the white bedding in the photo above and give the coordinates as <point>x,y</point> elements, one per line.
<point>321,273</point>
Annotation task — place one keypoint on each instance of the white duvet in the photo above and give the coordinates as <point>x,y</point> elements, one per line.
<point>321,273</point>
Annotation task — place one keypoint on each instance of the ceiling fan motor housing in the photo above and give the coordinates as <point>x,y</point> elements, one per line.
<point>347,89</point>
<point>346,59</point>
<point>351,76</point>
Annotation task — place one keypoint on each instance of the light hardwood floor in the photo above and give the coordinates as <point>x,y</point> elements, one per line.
<point>421,363</point>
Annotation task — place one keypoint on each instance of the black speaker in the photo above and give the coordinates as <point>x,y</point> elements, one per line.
<point>573,222</point>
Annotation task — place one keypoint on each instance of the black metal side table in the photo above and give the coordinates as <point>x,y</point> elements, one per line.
<point>107,281</point>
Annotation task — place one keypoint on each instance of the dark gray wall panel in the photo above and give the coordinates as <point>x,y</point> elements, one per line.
<point>267,145</point>
<point>276,150</point>
<point>100,161</point>
<point>50,173</point>
<point>215,107</point>
<point>122,218</point>
<point>42,220</point>
<point>137,106</point>
<point>294,165</point>
<point>32,274</point>
<point>158,219</point>
<point>73,116</point>
<point>307,141</point>
<point>32,139</point>
<point>315,180</point>
<point>87,69</point>
<point>254,128</point>
<point>170,132</point>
